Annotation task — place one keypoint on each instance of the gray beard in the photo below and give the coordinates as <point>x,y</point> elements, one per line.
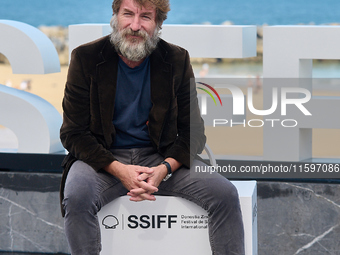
<point>133,50</point>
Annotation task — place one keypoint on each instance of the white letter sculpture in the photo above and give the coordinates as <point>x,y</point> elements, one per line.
<point>288,53</point>
<point>33,120</point>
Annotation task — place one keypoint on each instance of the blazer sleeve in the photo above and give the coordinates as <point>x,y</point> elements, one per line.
<point>75,132</point>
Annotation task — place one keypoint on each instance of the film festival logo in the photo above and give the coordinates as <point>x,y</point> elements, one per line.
<point>110,222</point>
<point>280,100</point>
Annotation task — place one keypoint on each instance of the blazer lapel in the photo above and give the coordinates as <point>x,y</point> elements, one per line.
<point>106,75</point>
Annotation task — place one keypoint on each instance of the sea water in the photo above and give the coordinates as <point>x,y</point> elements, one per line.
<point>245,12</point>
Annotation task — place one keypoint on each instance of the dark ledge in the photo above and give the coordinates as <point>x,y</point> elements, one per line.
<point>26,162</point>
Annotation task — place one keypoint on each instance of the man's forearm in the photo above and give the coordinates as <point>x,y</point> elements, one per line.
<point>114,168</point>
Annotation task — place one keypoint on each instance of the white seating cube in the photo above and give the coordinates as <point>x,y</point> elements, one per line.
<point>169,226</point>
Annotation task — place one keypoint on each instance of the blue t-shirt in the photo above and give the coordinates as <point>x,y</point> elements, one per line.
<point>132,106</point>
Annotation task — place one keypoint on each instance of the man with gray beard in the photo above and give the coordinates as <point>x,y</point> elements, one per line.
<point>132,127</point>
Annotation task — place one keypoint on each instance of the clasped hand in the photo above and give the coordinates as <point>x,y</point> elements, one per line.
<point>141,181</point>
<point>148,180</point>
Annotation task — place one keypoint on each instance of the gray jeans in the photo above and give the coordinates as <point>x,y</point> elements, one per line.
<point>86,191</point>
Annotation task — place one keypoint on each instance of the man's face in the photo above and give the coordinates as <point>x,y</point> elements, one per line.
<point>135,32</point>
<point>136,18</point>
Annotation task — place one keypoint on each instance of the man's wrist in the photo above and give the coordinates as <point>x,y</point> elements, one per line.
<point>163,170</point>
<point>168,170</point>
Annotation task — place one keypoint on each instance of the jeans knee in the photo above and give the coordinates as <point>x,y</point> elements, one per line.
<point>225,195</point>
<point>79,198</point>
<point>232,192</point>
